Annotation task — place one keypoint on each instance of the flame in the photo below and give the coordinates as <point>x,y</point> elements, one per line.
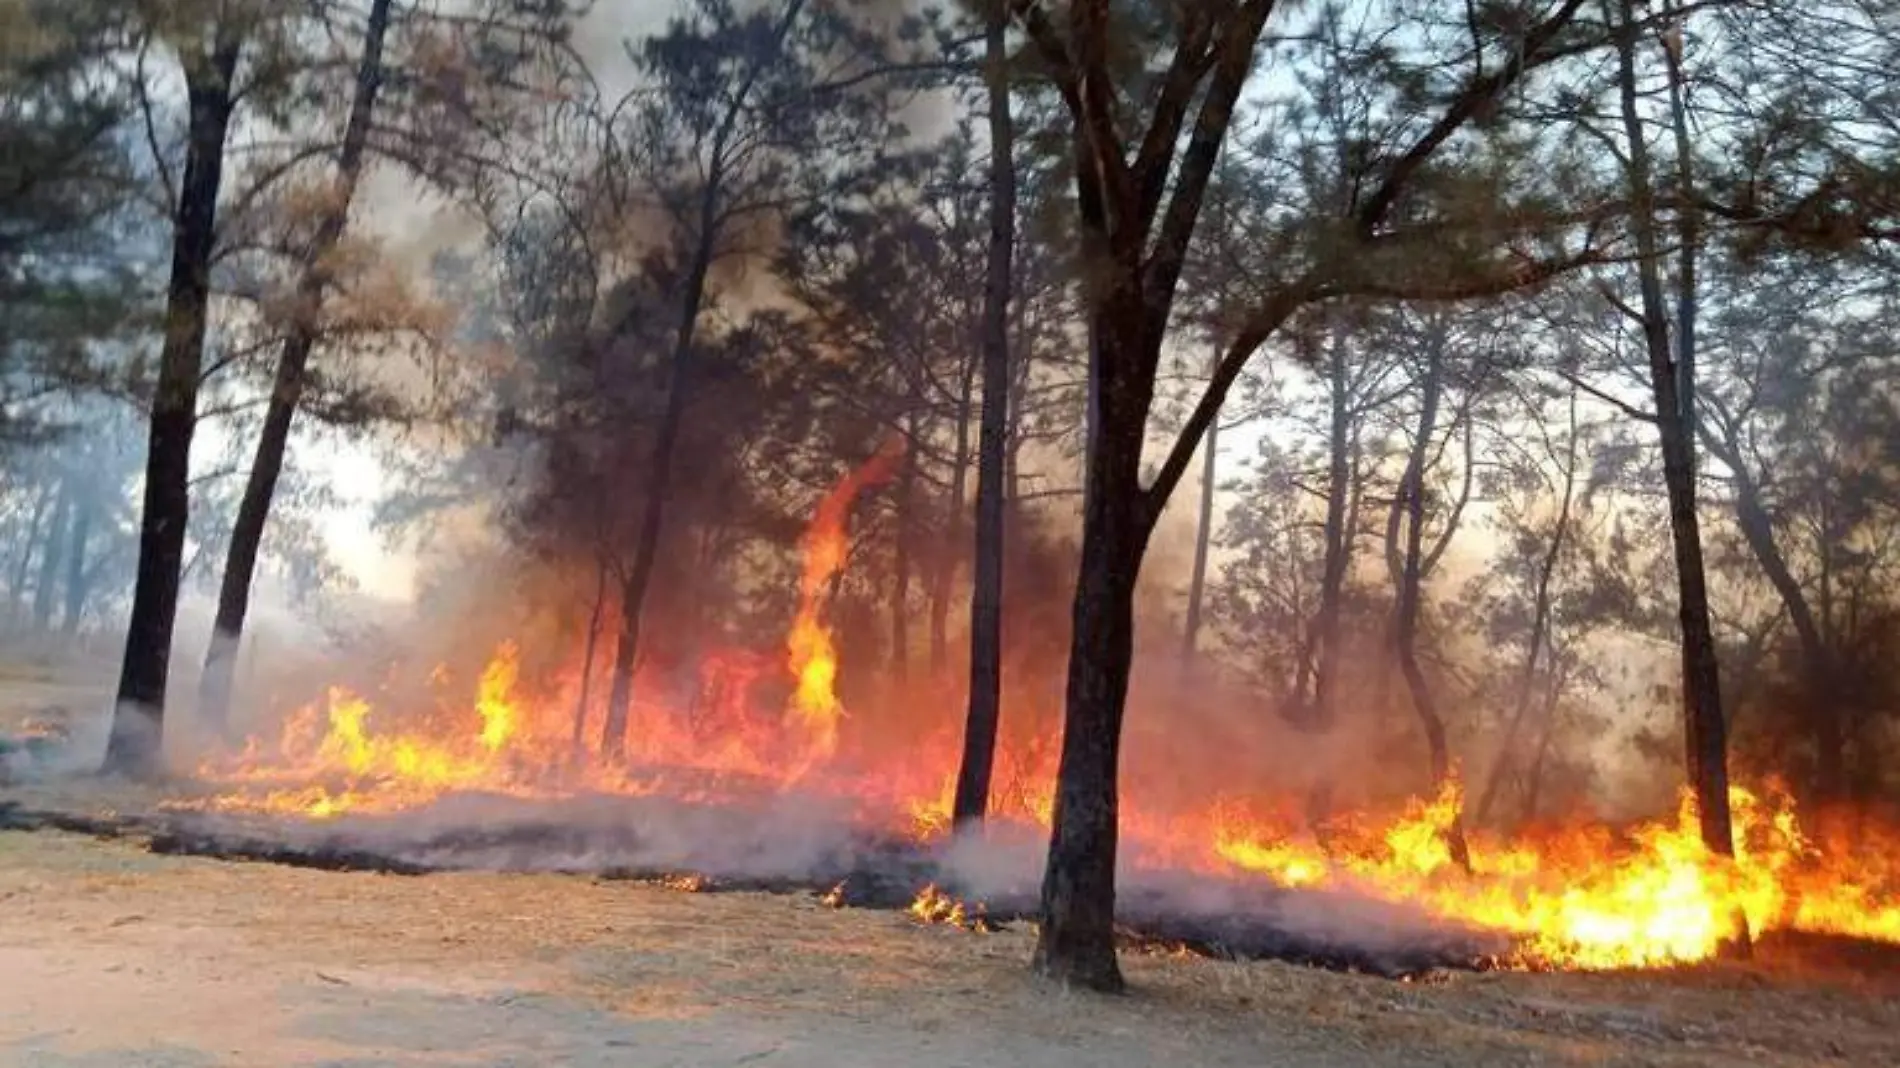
<point>496,699</point>
<point>815,709</point>
<point>933,906</point>
<point>1579,895</point>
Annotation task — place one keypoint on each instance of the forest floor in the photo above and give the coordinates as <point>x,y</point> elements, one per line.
<point>111,955</point>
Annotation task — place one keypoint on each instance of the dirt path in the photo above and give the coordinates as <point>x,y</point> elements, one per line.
<point>112,956</point>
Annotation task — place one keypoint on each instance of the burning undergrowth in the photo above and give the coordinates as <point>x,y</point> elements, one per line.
<point>497,784</point>
<point>790,844</point>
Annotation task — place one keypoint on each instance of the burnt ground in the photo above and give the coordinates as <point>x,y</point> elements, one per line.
<point>114,954</point>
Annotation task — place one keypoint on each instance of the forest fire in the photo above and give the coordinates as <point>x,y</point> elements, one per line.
<point>565,494</point>
<point>1580,896</point>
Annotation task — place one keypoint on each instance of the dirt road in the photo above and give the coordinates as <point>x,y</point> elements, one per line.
<point>113,956</point>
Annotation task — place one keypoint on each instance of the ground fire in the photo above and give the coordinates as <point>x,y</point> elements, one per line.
<point>1576,895</point>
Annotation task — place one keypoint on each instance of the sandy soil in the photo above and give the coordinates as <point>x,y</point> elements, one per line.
<point>113,956</point>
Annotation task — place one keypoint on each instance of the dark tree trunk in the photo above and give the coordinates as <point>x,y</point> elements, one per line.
<point>135,744</point>
<point>1076,943</point>
<point>1688,246</point>
<point>1203,536</point>
<point>986,595</point>
<point>287,388</point>
<point>77,575</point>
<point>1315,690</point>
<point>46,588</point>
<point>646,549</point>
<point>1131,286</point>
<point>1705,730</point>
<point>1411,592</point>
<point>1540,629</point>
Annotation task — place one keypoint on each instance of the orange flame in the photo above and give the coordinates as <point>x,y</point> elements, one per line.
<point>1580,896</point>
<point>815,711</point>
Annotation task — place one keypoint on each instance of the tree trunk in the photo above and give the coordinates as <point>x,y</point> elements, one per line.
<point>46,587</point>
<point>1688,245</point>
<point>1411,592</point>
<point>646,549</point>
<point>986,595</point>
<point>135,744</point>
<point>1540,628</point>
<point>16,586</point>
<point>1076,942</point>
<point>900,555</point>
<point>1758,530</point>
<point>943,579</point>
<point>1315,694</point>
<point>577,744</point>
<point>1338,553</point>
<point>1203,535</point>
<point>1132,286</point>
<point>77,575</point>
<point>1705,730</point>
<point>678,381</point>
<point>287,389</point>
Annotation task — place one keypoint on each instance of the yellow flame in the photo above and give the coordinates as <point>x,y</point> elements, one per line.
<point>933,906</point>
<point>496,698</point>
<point>816,711</point>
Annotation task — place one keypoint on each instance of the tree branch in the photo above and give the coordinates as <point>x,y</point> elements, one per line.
<point>1235,53</point>
<point>1276,310</point>
<point>1481,91</point>
<point>1626,409</point>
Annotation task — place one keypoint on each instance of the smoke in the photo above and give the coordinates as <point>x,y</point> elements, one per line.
<point>810,842</point>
